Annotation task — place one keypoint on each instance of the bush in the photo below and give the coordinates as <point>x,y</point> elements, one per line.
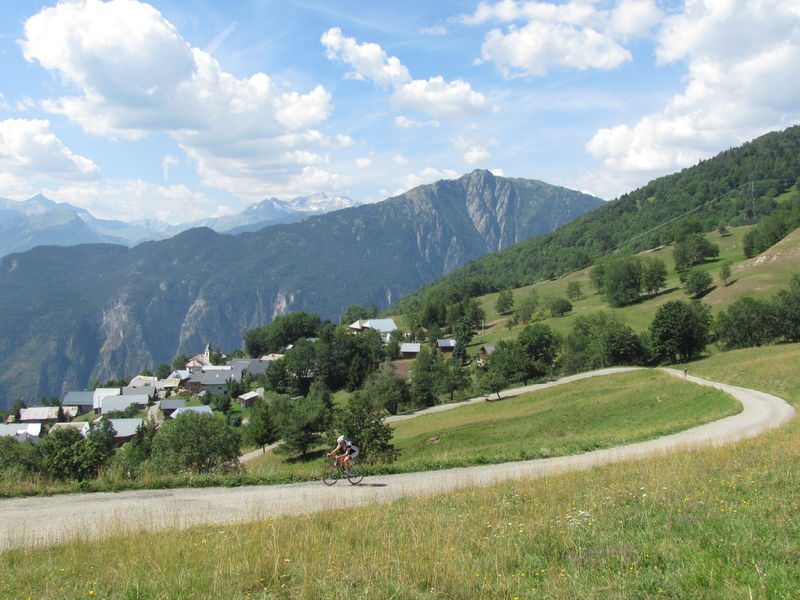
<point>302,420</point>
<point>559,306</point>
<point>194,443</point>
<point>66,454</point>
<point>362,421</point>
<point>541,344</point>
<point>693,250</point>
<point>787,311</point>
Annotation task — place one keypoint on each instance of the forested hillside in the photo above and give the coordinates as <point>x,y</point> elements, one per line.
<point>736,187</point>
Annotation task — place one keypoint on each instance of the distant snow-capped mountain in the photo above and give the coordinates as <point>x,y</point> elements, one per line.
<point>39,221</point>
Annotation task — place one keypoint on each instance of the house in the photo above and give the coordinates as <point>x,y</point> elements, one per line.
<point>21,432</point>
<point>81,427</point>
<point>170,383</point>
<point>125,429</point>
<point>271,357</point>
<point>213,381</point>
<point>115,403</point>
<point>170,406</point>
<point>101,393</point>
<point>83,401</point>
<point>446,345</point>
<point>143,381</point>
<point>180,374</point>
<point>203,410</point>
<point>38,414</point>
<point>253,366</point>
<point>248,398</point>
<point>148,391</point>
<point>410,349</point>
<point>383,326</point>
<point>483,354</point>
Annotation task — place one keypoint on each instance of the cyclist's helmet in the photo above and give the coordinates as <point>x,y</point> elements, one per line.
<point>340,439</point>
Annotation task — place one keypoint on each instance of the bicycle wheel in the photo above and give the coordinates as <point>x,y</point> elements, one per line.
<point>331,474</point>
<point>354,476</point>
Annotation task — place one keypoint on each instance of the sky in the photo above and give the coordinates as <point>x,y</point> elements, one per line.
<point>178,110</point>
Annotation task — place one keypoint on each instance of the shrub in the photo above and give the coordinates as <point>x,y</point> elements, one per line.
<point>559,306</point>
<point>194,443</point>
<point>697,283</point>
<point>601,340</point>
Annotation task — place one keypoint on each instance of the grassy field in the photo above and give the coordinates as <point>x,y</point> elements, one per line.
<point>759,277</point>
<point>589,414</point>
<point>716,523</point>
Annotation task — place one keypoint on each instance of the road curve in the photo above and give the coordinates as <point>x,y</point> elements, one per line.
<point>50,520</point>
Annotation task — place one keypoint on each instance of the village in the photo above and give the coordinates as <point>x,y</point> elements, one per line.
<point>186,390</point>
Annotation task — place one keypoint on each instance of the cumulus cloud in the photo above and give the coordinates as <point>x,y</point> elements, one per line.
<point>3,104</point>
<point>473,152</point>
<point>433,96</point>
<point>363,163</point>
<point>136,76</point>
<point>399,159</point>
<point>405,123</point>
<point>434,30</point>
<point>574,35</point>
<point>738,56</point>
<point>29,149</point>
<point>427,175</point>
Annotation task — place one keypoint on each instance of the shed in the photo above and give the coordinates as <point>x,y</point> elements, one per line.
<point>81,427</point>
<point>83,400</point>
<point>446,345</point>
<point>101,393</point>
<point>170,406</point>
<point>410,349</point>
<point>21,431</point>
<point>125,429</point>
<point>248,398</point>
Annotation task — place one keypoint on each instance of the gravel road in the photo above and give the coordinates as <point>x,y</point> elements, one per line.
<point>50,520</point>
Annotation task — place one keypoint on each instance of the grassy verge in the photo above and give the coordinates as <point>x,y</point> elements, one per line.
<point>715,523</point>
<point>586,415</point>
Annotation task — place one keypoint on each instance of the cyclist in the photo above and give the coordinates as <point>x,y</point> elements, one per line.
<point>349,452</point>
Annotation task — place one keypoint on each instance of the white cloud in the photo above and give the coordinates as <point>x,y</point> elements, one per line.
<point>405,123</point>
<point>29,149</point>
<point>439,98</point>
<point>3,104</point>
<point>136,76</point>
<point>433,96</point>
<point>476,154</point>
<point>739,56</point>
<point>15,187</point>
<point>369,61</point>
<point>427,175</point>
<point>434,30</point>
<point>399,159</point>
<point>574,35</point>
<point>497,172</point>
<point>129,200</point>
<point>363,163</point>
<point>167,162</point>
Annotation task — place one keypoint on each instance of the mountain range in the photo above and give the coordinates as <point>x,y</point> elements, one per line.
<point>72,315</point>
<point>39,221</point>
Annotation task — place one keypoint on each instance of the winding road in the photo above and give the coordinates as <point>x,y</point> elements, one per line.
<point>43,521</point>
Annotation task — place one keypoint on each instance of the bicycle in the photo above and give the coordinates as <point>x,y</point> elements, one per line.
<point>332,471</point>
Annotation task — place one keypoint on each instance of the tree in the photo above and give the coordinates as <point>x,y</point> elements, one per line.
<point>492,382</point>
<point>504,302</point>
<point>511,362</point>
<point>654,275</point>
<point>527,307</point>
<point>179,362</point>
<point>388,389</point>
<point>601,340</point>
<point>284,330</point>
<point>693,250</point>
<point>747,322</point>
<point>622,281</point>
<point>542,345</point>
<point>787,310</point>
<point>451,379</point>
<point>194,443</point>
<point>362,421</point>
<point>393,347</point>
<point>697,283</point>
<point>722,228</point>
<point>300,365</point>
<point>680,331</point>
<point>597,275</point>
<point>301,422</point>
<point>463,332</point>
<point>574,291</point>
<point>559,306</point>
<point>66,454</point>
<point>163,370</point>
<point>353,313</point>
<point>262,429</point>
<point>725,272</point>
<point>423,377</point>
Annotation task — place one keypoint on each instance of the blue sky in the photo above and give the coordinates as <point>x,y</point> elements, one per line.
<point>180,110</point>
